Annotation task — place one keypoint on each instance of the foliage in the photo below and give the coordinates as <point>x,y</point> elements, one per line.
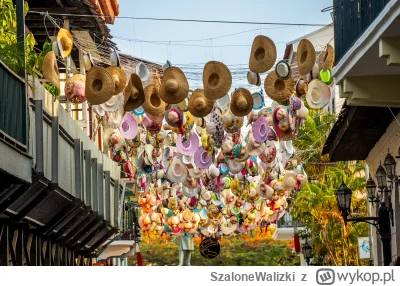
<point>244,250</point>
<point>315,204</point>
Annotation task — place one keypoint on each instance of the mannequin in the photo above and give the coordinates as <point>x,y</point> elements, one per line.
<point>186,246</point>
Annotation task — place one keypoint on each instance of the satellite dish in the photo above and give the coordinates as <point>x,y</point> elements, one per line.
<point>142,71</point>
<point>115,60</point>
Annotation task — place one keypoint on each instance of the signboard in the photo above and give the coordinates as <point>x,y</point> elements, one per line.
<point>364,251</point>
<point>210,248</point>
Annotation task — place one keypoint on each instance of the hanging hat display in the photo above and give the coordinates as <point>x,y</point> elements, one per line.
<point>253,78</point>
<point>119,78</point>
<point>328,58</point>
<point>318,94</point>
<point>199,105</point>
<point>301,87</point>
<point>65,42</point>
<point>142,71</point>
<point>202,159</point>
<point>116,102</point>
<point>187,146</point>
<point>278,89</point>
<point>50,69</point>
<point>99,86</point>
<point>74,89</point>
<point>217,80</point>
<point>174,86</point>
<point>153,105</point>
<point>305,56</point>
<point>263,54</point>
<point>129,126</point>
<point>283,70</point>
<point>241,102</point>
<point>134,93</point>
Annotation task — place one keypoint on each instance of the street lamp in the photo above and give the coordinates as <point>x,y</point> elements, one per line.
<point>390,166</point>
<point>381,177</point>
<point>371,190</point>
<point>343,198</point>
<point>307,252</point>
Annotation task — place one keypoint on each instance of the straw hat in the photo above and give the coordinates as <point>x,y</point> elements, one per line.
<point>253,147</point>
<point>199,105</point>
<point>305,56</point>
<point>301,87</point>
<point>328,58</point>
<point>114,103</point>
<point>153,105</point>
<point>217,80</point>
<point>289,181</point>
<point>75,88</point>
<point>263,54</point>
<point>113,138</point>
<point>119,78</point>
<point>50,69</point>
<point>318,94</point>
<point>277,89</point>
<point>265,190</point>
<point>174,86</point>
<point>241,102</point>
<point>134,93</point>
<point>100,85</point>
<point>177,171</point>
<point>65,42</point>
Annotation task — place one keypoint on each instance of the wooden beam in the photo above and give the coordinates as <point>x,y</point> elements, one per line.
<point>59,10</point>
<point>389,48</point>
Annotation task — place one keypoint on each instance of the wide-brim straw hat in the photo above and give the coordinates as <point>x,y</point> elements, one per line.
<point>134,93</point>
<point>289,181</point>
<point>119,78</point>
<point>278,89</point>
<point>50,69</point>
<point>153,105</point>
<point>318,94</point>
<point>306,56</point>
<point>328,59</point>
<point>217,80</point>
<point>263,54</point>
<point>199,105</point>
<point>100,85</point>
<point>65,42</point>
<point>114,103</point>
<point>174,86</point>
<point>241,102</point>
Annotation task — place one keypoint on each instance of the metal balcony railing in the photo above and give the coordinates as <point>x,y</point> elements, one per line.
<point>351,19</point>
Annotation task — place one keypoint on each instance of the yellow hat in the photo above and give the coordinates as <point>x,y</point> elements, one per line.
<point>65,42</point>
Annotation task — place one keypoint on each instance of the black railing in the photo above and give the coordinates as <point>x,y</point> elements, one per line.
<point>351,19</point>
<point>13,108</point>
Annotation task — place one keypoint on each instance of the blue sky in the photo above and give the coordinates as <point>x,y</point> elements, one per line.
<point>236,57</point>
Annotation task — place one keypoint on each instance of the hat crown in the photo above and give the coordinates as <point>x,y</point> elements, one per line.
<point>172,85</point>
<point>241,103</point>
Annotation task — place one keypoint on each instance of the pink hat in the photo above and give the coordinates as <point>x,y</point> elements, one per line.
<point>188,146</point>
<point>202,159</point>
<point>129,126</point>
<point>261,129</point>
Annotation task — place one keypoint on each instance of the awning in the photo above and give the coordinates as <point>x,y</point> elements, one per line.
<point>118,248</point>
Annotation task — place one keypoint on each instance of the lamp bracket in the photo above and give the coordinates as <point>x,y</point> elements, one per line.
<point>370,220</point>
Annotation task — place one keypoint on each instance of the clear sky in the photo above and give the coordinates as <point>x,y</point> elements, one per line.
<point>185,54</point>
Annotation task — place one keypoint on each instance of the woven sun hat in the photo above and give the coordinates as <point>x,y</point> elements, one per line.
<point>289,181</point>
<point>253,78</point>
<point>116,102</point>
<point>253,147</point>
<point>283,70</point>
<point>153,104</point>
<point>263,54</point>
<point>98,110</point>
<point>277,89</point>
<point>217,80</point>
<point>174,86</point>
<point>224,101</point>
<point>134,93</point>
<point>177,171</point>
<point>119,78</point>
<point>65,42</point>
<point>301,87</point>
<point>187,146</point>
<point>241,102</point>
<point>328,59</point>
<point>264,190</point>
<point>99,85</point>
<point>129,126</point>
<point>50,69</point>
<point>199,105</point>
<point>318,94</point>
<point>305,56</point>
<point>142,71</point>
<point>258,100</point>
<point>74,89</point>
<point>113,139</point>
<point>261,129</point>
<point>232,123</point>
<point>202,159</point>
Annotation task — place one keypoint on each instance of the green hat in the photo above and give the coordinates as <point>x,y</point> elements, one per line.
<point>326,76</point>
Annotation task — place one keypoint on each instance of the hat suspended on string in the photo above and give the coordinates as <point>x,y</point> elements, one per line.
<point>142,71</point>
<point>253,78</point>
<point>174,86</point>
<point>217,80</point>
<point>177,171</point>
<point>326,76</point>
<point>129,126</point>
<point>65,42</point>
<point>100,85</point>
<point>302,113</point>
<point>318,94</point>
<point>241,102</point>
<point>232,123</point>
<point>190,192</point>
<point>116,102</point>
<point>328,58</point>
<point>50,69</point>
<point>187,146</point>
<point>305,56</point>
<point>261,129</point>
<point>88,61</point>
<point>114,59</point>
<point>258,100</point>
<point>263,54</point>
<point>202,159</point>
<point>174,117</point>
<point>301,87</point>
<point>119,78</point>
<point>264,190</point>
<point>277,89</point>
<point>75,89</point>
<point>314,73</point>
<point>134,93</point>
<point>153,105</point>
<point>283,70</point>
<point>289,181</point>
<point>113,139</point>
<point>199,105</point>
